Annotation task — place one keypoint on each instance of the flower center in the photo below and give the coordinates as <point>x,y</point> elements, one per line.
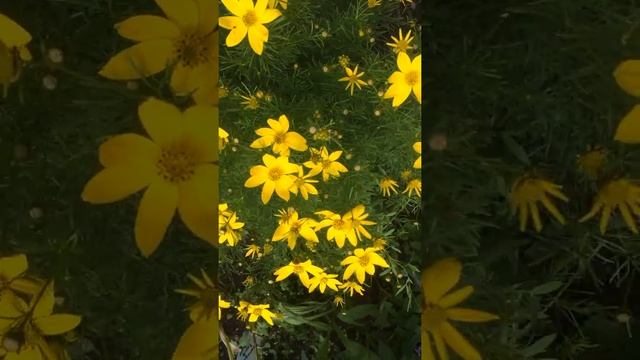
<point>177,163</point>
<point>279,138</point>
<point>192,50</point>
<point>257,311</point>
<point>275,174</point>
<point>412,77</point>
<point>250,18</point>
<point>433,318</point>
<point>338,224</point>
<point>364,260</point>
<point>300,182</point>
<point>298,269</point>
<point>402,45</point>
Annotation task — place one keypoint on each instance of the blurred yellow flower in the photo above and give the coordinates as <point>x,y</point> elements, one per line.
<point>408,79</point>
<point>353,79</point>
<point>177,166</point>
<point>439,307</point>
<point>388,185</point>
<point>13,279</point>
<point>302,269</point>
<point>338,301</point>
<point>303,184</point>
<point>206,294</point>
<point>417,147</point>
<point>248,21</point>
<point>185,41</point>
<point>351,286</point>
<point>278,135</point>
<point>223,138</point>
<point>374,3</point>
<point>275,3</point>
<point>323,281</point>
<point>294,228</point>
<point>13,51</point>
<point>362,261</point>
<point>325,163</point>
<point>526,192</point>
<point>222,304</point>
<point>414,185</point>
<point>243,313</point>
<point>253,250</point>
<point>250,102</point>
<point>274,175</point>
<point>401,43</point>
<point>199,341</point>
<point>623,194</point>
<point>340,227</point>
<point>590,163</point>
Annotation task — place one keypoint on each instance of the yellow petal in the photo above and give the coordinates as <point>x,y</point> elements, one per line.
<point>627,75</point>
<point>12,34</point>
<point>470,315</point>
<point>455,297</point>
<point>229,22</point>
<point>425,347</point>
<point>552,209</point>
<point>604,220</point>
<point>208,15</point>
<point>236,35</point>
<point>161,120</point>
<point>57,324</point>
<point>13,266</point>
<point>404,62</point>
<point>458,343</point>
<point>128,150</point>
<point>594,210</point>
<point>628,130</point>
<point>417,91</point>
<point>116,183</point>
<point>155,212</point>
<point>535,214</point>
<point>256,39</point>
<point>628,219</point>
<point>440,347</point>
<point>269,15</point>
<point>439,278</point>
<point>140,60</point>
<point>183,13</point>
<point>200,124</point>
<point>267,191</point>
<point>44,304</point>
<point>187,79</point>
<point>234,7</point>
<point>199,341</point>
<point>147,27</point>
<point>198,203</point>
<point>523,210</point>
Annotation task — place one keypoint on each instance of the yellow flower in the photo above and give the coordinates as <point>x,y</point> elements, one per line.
<point>177,166</point>
<point>303,184</point>
<point>387,185</point>
<point>223,138</point>
<point>357,217</point>
<point>623,194</point>
<point>323,281</point>
<point>627,76</point>
<point>590,163</point>
<point>285,215</point>
<point>248,281</point>
<point>414,185</point>
<point>327,164</point>
<point>353,79</point>
<point>628,130</point>
<point>250,102</point>
<point>228,227</point>
<point>362,261</point>
<point>13,51</point>
<point>379,243</point>
<point>280,137</point>
<point>248,19</point>
<point>302,269</point>
<point>206,295</point>
<point>294,228</point>
<point>199,341</point>
<point>275,175</point>
<point>253,251</point>
<point>343,60</point>
<point>340,228</point>
<point>274,3</point>
<point>243,314</point>
<point>401,44</point>
<point>526,192</point>
<point>439,307</point>
<point>185,41</point>
<point>374,3</point>
<point>406,175</point>
<point>351,286</point>
<point>417,147</point>
<point>260,311</point>
<point>13,279</point>
<point>222,304</point>
<point>338,301</point>
<point>408,79</point>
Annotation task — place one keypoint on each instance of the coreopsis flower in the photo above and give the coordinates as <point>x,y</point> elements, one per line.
<point>338,301</point>
<point>439,308</point>
<point>206,294</point>
<point>590,163</point>
<point>274,175</point>
<point>626,75</point>
<point>223,138</point>
<point>340,227</point>
<point>388,185</point>
<point>327,164</point>
<point>358,219</point>
<point>13,279</point>
<point>176,166</point>
<point>222,304</point>
<point>323,281</point>
<point>248,21</point>
<point>417,147</point>
<point>628,130</point>
<point>414,185</point>
<point>199,341</point>
<point>408,79</point>
<point>379,243</point>
<point>622,194</point>
<point>228,229</point>
<point>304,184</point>
<point>275,3</point>
<point>278,135</point>
<point>353,79</point>
<point>343,60</point>
<point>13,51</point>
<point>253,250</point>
<point>294,228</point>
<point>284,215</point>
<point>302,269</point>
<point>401,43</point>
<point>250,102</point>
<point>260,311</point>
<point>526,192</point>
<point>350,287</point>
<point>185,41</point>
<point>362,261</point>
<point>242,308</point>
<point>373,3</point>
